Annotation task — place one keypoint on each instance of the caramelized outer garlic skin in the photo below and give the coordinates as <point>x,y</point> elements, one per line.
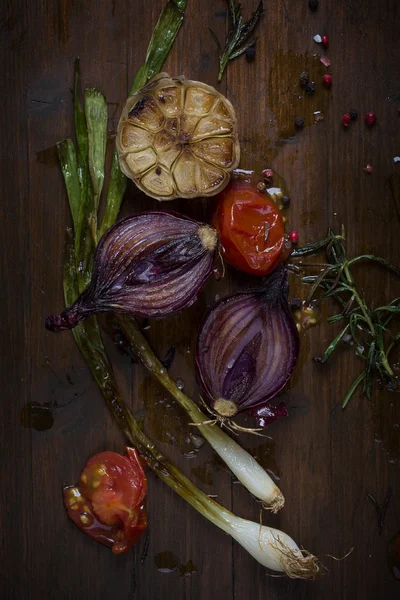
<point>178,139</point>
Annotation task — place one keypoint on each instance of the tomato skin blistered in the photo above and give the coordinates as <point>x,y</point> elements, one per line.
<point>251,229</point>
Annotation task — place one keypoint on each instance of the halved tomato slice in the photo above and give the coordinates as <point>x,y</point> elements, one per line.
<point>107,504</point>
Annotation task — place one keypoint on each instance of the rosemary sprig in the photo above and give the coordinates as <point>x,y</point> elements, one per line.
<point>365,328</point>
<point>239,34</point>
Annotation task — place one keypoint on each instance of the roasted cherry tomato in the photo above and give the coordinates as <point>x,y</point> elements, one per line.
<point>250,227</point>
<point>107,504</point>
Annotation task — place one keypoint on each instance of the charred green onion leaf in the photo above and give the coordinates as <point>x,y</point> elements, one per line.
<point>163,37</point>
<point>148,265</point>
<point>247,349</point>
<point>239,35</point>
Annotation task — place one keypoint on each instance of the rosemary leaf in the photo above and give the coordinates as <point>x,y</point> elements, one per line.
<point>377,259</point>
<point>335,252</point>
<point>163,37</point>
<point>393,309</point>
<point>336,318</point>
<point>216,40</point>
<point>352,389</point>
<point>332,346</point>
<point>242,49</point>
<point>367,388</point>
<point>313,247</point>
<point>249,27</point>
<point>317,282</point>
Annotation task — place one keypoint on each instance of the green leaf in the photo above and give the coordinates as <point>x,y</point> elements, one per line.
<point>70,283</point>
<point>368,370</point>
<point>352,389</point>
<point>335,251</point>
<point>318,282</point>
<point>96,119</point>
<point>355,317</point>
<point>69,168</point>
<point>83,239</point>
<point>216,40</point>
<point>80,131</point>
<point>241,49</point>
<point>332,346</point>
<point>336,318</point>
<point>234,10</point>
<point>251,24</point>
<point>388,308</point>
<point>313,247</point>
<point>377,259</point>
<point>116,190</point>
<point>163,37</point>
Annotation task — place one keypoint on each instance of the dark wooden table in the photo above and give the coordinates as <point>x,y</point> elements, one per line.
<point>327,460</point>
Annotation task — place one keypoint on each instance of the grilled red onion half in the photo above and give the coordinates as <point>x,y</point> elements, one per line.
<point>148,265</point>
<point>247,349</point>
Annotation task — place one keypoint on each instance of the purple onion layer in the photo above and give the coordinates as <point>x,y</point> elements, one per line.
<point>148,265</point>
<point>247,349</point>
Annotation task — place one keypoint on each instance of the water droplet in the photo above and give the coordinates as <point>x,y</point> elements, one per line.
<point>197,440</point>
<point>37,416</point>
<point>180,384</point>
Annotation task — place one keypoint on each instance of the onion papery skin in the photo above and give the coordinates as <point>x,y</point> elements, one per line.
<point>247,349</point>
<point>149,265</point>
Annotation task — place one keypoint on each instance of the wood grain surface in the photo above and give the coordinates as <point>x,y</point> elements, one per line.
<point>327,460</point>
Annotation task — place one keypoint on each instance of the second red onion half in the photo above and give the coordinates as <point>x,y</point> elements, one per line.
<point>247,349</point>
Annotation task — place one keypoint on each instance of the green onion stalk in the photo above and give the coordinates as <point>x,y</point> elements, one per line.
<point>83,172</point>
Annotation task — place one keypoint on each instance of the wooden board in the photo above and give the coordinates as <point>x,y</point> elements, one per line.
<point>326,460</point>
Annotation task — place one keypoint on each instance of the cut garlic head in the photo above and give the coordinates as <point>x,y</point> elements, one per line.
<point>178,139</point>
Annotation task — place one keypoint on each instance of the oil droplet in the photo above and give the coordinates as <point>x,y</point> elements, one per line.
<point>165,419</point>
<point>48,157</point>
<point>37,416</point>
<point>393,556</point>
<point>287,99</point>
<point>167,562</point>
<point>203,474</point>
<point>307,316</point>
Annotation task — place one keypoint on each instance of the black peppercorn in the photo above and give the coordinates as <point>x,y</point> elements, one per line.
<point>296,303</point>
<point>299,122</point>
<point>310,88</point>
<point>304,78</point>
<point>353,114</point>
<point>313,4</point>
<point>250,53</point>
<point>285,200</point>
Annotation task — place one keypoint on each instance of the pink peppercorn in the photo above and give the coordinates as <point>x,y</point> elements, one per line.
<point>370,118</point>
<point>327,80</point>
<point>325,41</point>
<point>346,119</point>
<point>268,174</point>
<point>294,237</point>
